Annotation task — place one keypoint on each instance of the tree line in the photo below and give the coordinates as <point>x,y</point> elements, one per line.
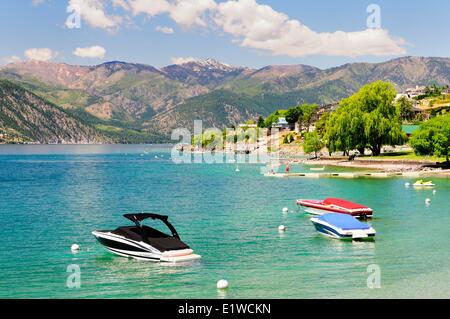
<point>369,119</point>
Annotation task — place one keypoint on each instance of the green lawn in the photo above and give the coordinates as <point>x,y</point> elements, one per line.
<point>405,156</point>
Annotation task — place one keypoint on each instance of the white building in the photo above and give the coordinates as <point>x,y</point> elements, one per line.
<point>282,124</point>
<point>415,92</point>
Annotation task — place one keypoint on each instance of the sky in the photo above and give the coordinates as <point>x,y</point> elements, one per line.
<point>252,33</point>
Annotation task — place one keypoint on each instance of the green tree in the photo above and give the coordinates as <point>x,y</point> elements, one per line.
<point>273,118</point>
<point>210,139</point>
<point>344,129</point>
<point>308,112</point>
<point>321,124</point>
<point>405,107</point>
<point>312,143</point>
<point>289,138</point>
<point>301,114</point>
<point>433,138</point>
<point>260,122</point>
<point>366,119</point>
<point>294,114</point>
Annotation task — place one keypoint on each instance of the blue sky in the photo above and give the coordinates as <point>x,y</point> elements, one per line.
<point>266,32</point>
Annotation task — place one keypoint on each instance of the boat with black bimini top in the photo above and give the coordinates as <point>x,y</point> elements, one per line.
<point>146,243</point>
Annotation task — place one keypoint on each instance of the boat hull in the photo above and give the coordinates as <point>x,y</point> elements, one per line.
<point>334,232</point>
<point>319,209</point>
<point>124,247</point>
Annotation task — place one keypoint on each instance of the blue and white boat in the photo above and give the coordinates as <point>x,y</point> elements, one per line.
<point>343,226</point>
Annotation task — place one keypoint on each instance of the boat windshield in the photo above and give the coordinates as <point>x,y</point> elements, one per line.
<point>139,218</point>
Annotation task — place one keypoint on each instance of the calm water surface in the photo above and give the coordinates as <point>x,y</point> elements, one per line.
<point>53,196</point>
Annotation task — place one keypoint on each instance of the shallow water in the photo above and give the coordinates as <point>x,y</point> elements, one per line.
<point>53,196</point>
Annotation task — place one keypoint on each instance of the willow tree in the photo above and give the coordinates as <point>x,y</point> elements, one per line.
<point>367,119</point>
<point>313,143</point>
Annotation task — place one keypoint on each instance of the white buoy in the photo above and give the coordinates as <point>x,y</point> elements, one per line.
<point>434,192</point>
<point>75,248</point>
<point>282,228</point>
<point>407,184</point>
<point>237,169</point>
<point>427,201</point>
<point>285,210</point>
<point>222,284</point>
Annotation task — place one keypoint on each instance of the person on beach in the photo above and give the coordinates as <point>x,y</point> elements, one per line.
<point>287,168</point>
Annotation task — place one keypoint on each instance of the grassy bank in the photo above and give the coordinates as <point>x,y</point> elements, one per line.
<point>404,156</point>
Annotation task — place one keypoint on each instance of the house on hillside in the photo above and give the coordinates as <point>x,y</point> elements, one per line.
<point>281,124</point>
<point>415,92</point>
<point>446,90</point>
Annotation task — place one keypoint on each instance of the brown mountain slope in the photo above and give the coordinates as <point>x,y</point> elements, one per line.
<point>25,117</point>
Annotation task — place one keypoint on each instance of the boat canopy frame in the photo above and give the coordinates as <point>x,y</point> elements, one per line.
<point>140,217</point>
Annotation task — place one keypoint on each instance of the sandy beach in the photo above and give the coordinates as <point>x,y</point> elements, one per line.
<point>414,168</point>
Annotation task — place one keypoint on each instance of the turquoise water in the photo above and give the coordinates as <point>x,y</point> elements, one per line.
<point>53,196</point>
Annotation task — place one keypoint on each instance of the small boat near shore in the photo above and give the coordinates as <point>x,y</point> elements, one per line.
<point>344,227</point>
<point>422,183</point>
<point>335,205</point>
<point>145,243</point>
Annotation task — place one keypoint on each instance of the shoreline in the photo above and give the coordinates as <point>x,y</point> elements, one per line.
<point>377,168</point>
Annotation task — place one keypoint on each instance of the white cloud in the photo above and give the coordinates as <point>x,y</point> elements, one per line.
<point>149,7</point>
<point>188,13</point>
<point>251,24</point>
<point>40,54</point>
<point>120,4</point>
<point>95,51</point>
<point>182,60</point>
<point>93,13</point>
<point>12,59</point>
<point>166,30</point>
<point>260,27</point>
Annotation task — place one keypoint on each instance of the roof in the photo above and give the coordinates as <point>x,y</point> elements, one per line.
<point>409,129</point>
<point>282,120</point>
<point>343,203</point>
<point>343,221</point>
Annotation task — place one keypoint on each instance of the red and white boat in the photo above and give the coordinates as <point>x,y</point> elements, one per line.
<point>335,205</point>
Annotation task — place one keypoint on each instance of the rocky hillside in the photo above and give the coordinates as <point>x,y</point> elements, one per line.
<point>210,73</point>
<point>136,96</point>
<point>25,117</point>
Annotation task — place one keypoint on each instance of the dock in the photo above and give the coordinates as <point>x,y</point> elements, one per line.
<point>358,175</point>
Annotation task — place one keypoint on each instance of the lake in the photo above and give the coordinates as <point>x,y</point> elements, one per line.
<point>54,196</point>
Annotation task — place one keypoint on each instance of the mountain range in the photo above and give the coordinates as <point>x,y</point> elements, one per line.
<point>129,102</point>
